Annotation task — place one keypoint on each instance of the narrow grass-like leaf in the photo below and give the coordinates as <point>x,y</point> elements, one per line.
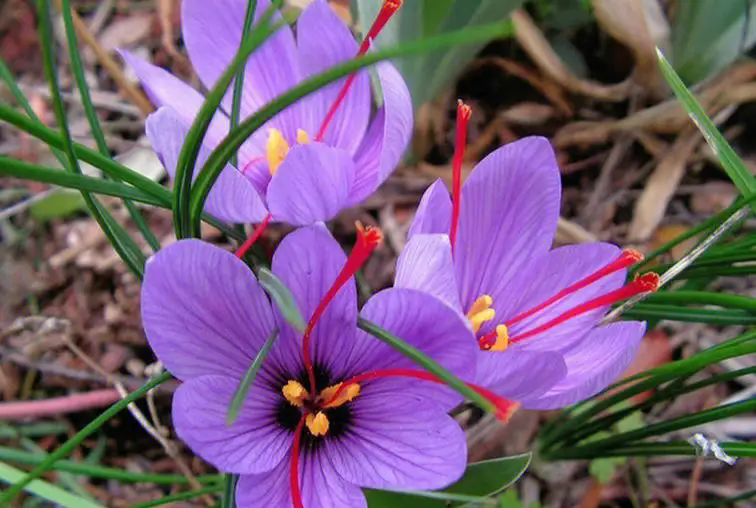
<point>235,138</point>
<point>582,413</point>
<point>181,496</point>
<point>426,362</point>
<point>122,243</point>
<point>249,18</point>
<point>94,471</point>
<point>650,449</point>
<point>19,169</point>
<point>193,141</point>
<point>283,298</point>
<point>480,481</point>
<point>32,430</point>
<point>706,226</point>
<point>673,425</point>
<point>66,448</point>
<point>229,490</point>
<point>94,123</point>
<point>45,490</point>
<point>650,311</point>
<point>668,393</point>
<point>728,501</point>
<point>237,401</point>
<point>731,162</point>
<point>109,166</point>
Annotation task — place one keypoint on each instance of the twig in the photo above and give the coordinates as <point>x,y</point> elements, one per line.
<point>59,370</point>
<point>684,263</point>
<point>23,205</point>
<point>167,445</point>
<point>110,65</point>
<point>58,405</point>
<point>695,478</point>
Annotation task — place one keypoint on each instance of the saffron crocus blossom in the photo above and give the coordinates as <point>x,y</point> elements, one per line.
<point>321,154</point>
<point>332,410</point>
<point>535,310</point>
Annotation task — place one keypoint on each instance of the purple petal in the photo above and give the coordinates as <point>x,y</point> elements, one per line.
<point>255,443</point>
<point>593,364</point>
<point>517,374</point>
<point>387,136</point>
<point>551,273</point>
<point>203,311</point>
<point>398,441</point>
<point>321,486</point>
<point>308,261</point>
<point>212,33</point>
<point>425,323</point>
<point>508,215</point>
<point>323,41</point>
<point>312,184</point>
<point>233,198</point>
<point>433,214</point>
<point>426,264</point>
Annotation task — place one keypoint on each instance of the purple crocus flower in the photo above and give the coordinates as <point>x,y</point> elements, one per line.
<point>324,417</point>
<point>321,154</point>
<point>535,310</point>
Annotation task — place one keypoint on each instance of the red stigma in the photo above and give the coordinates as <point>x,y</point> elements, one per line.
<point>487,341</point>
<point>463,117</point>
<point>367,240</point>
<point>387,10</point>
<point>504,407</point>
<point>253,237</point>
<point>296,493</point>
<point>646,283</point>
<point>627,258</point>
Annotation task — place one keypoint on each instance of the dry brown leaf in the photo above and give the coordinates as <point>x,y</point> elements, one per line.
<point>533,42</point>
<point>713,197</point>
<point>665,234</point>
<point>641,26</point>
<point>126,31</point>
<point>661,186</point>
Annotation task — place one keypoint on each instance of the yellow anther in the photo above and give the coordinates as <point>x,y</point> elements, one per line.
<point>502,338</point>
<point>317,423</point>
<point>480,304</point>
<point>302,137</point>
<point>276,150</point>
<point>480,312</point>
<point>295,393</point>
<point>477,320</point>
<point>347,394</point>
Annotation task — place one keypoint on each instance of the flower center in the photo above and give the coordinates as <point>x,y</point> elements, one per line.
<point>277,148</point>
<point>499,339</point>
<point>316,419</point>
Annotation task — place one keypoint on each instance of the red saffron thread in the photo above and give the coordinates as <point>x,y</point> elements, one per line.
<point>296,493</point>
<point>624,260</point>
<point>643,284</point>
<point>463,116</point>
<point>367,240</point>
<point>504,407</point>
<point>387,10</point>
<point>253,237</point>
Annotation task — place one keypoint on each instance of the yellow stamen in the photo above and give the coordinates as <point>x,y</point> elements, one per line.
<point>295,393</point>
<point>302,137</point>
<point>480,304</point>
<point>480,312</point>
<point>317,423</point>
<point>481,317</point>
<point>347,394</point>
<point>276,150</point>
<point>502,339</point>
